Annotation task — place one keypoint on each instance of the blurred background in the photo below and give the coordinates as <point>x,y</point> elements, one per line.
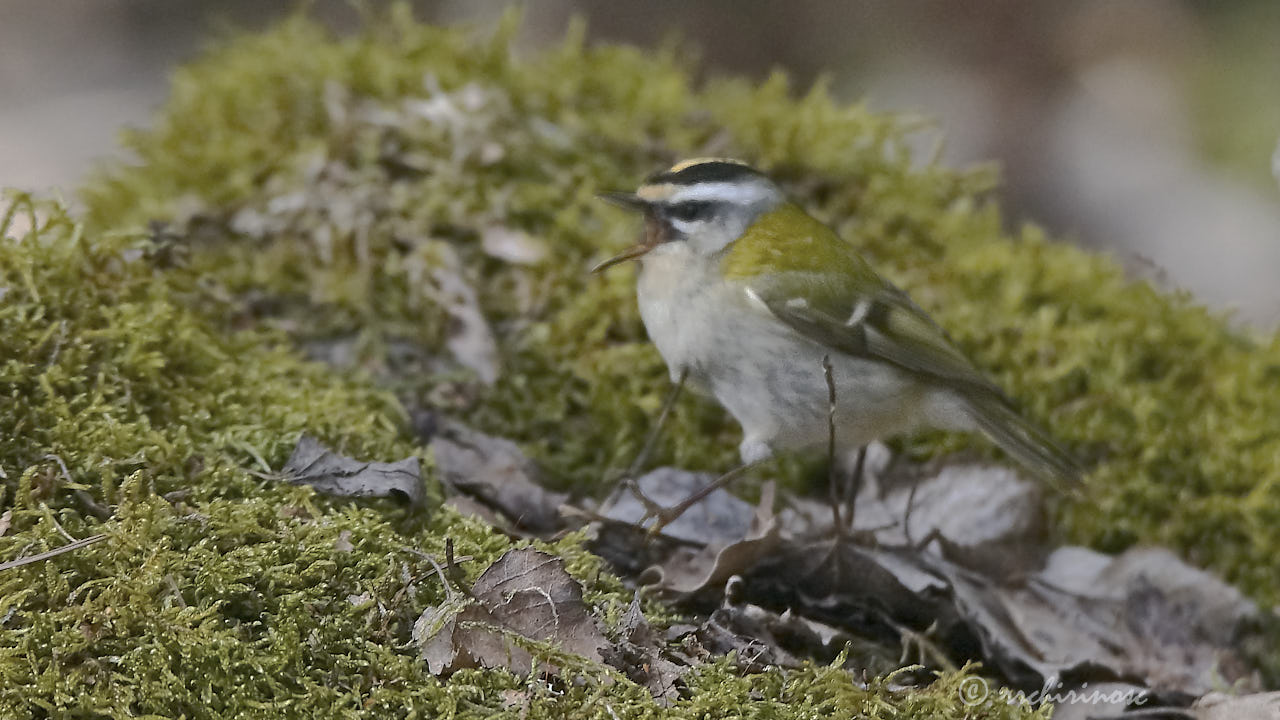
<point>1146,128</point>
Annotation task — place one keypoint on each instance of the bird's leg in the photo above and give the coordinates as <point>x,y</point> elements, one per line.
<point>650,442</point>
<point>665,516</point>
<point>833,470</point>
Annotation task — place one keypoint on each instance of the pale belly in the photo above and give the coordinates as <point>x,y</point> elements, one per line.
<point>766,375</point>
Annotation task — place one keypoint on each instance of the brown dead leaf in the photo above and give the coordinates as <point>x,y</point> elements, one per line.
<point>736,537</point>
<point>332,474</point>
<point>1218,706</point>
<point>966,575</point>
<point>639,654</point>
<point>524,594</point>
<point>720,518</point>
<point>496,472</point>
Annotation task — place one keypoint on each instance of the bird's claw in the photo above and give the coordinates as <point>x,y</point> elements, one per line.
<point>661,516</point>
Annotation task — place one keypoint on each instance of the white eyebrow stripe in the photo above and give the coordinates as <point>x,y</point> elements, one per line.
<point>734,193</point>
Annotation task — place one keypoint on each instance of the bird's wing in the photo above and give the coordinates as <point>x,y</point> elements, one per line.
<point>865,316</point>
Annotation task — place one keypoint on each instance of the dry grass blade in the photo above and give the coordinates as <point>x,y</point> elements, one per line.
<point>69,547</point>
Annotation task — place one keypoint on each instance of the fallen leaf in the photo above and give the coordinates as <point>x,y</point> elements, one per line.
<point>525,593</point>
<point>434,634</point>
<point>497,473</point>
<point>1219,706</point>
<point>970,505</point>
<point>332,474</point>
<point>965,575</point>
<point>470,507</point>
<point>713,566</point>
<point>715,539</point>
<point>720,518</point>
<point>983,516</point>
<point>742,632</point>
<point>1099,700</point>
<point>639,654</point>
<point>868,591</point>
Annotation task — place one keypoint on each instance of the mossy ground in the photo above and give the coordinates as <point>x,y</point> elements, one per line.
<point>310,185</point>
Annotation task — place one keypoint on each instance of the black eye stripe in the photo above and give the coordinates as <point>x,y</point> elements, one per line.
<point>690,210</point>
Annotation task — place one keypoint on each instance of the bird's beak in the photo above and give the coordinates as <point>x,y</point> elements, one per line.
<point>624,200</point>
<point>627,201</point>
<point>630,253</point>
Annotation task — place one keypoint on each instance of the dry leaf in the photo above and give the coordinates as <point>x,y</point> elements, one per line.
<point>332,474</point>
<point>720,518</point>
<point>1217,706</point>
<point>525,593</point>
<point>639,654</point>
<point>497,473</point>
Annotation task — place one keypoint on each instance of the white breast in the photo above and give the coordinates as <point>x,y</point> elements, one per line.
<point>673,291</point>
<point>765,374</point>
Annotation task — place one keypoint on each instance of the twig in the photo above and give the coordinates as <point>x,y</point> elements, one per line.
<point>837,523</point>
<point>51,553</point>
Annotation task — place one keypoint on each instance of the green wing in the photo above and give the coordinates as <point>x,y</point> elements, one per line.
<point>877,322</point>
<point>823,289</point>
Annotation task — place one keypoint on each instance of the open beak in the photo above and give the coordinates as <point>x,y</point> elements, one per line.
<point>624,200</point>
<point>627,201</point>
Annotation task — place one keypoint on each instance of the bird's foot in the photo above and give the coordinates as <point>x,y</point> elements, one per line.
<point>664,516</point>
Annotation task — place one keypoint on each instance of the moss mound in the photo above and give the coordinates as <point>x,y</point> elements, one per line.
<point>329,171</point>
<point>312,189</point>
<point>219,593</point>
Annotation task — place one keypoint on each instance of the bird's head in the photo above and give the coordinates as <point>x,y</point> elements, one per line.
<point>707,203</point>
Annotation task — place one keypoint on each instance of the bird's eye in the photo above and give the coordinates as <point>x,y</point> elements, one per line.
<point>690,211</point>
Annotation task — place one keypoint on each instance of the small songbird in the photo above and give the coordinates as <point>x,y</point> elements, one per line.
<point>747,297</point>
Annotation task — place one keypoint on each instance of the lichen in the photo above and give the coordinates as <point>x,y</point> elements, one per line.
<point>304,185</point>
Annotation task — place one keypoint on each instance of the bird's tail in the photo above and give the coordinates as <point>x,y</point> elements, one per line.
<point>1025,441</point>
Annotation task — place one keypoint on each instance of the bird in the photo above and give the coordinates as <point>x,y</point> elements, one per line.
<point>753,301</point>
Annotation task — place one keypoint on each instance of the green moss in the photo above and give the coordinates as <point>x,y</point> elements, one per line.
<point>312,186</point>
<point>219,592</point>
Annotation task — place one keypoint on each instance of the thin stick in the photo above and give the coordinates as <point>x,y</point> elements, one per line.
<point>51,553</point>
<point>833,473</point>
<point>629,479</point>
